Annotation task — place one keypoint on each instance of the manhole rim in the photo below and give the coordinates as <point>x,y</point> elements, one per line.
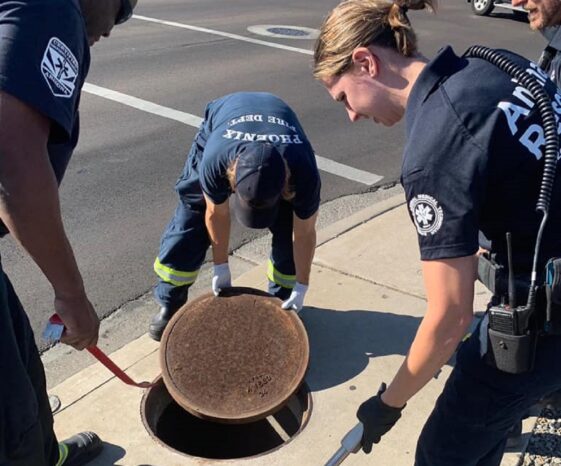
<point>307,414</point>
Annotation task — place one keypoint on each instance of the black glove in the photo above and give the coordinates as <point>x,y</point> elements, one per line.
<point>377,418</point>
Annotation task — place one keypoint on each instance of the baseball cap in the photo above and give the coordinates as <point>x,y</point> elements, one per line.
<point>260,178</point>
<point>125,11</point>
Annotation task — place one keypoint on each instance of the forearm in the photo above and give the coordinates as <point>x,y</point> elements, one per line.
<point>436,341</point>
<point>304,248</point>
<point>29,207</point>
<point>218,227</point>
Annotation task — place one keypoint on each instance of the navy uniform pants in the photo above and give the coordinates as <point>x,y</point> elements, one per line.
<point>479,404</point>
<point>185,241</point>
<point>26,423</point>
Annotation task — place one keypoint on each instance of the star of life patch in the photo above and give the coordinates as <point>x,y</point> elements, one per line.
<point>427,214</point>
<point>60,68</point>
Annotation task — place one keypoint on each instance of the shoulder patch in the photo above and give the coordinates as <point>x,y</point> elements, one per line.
<point>60,68</point>
<point>427,214</point>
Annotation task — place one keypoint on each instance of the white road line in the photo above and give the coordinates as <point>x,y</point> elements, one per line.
<point>324,164</point>
<point>143,105</point>
<point>327,165</point>
<point>344,171</point>
<point>224,34</point>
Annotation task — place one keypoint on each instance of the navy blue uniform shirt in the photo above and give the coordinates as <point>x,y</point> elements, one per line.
<point>235,119</point>
<point>473,161</point>
<point>44,59</point>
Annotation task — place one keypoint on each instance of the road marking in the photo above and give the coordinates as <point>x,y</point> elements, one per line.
<point>143,105</point>
<point>224,34</point>
<point>324,164</point>
<point>327,165</point>
<point>345,171</point>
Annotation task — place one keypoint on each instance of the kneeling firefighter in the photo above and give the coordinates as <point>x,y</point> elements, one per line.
<point>250,145</point>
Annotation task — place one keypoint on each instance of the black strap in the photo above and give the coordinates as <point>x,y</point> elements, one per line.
<point>546,57</point>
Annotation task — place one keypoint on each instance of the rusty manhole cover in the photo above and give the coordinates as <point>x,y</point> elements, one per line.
<point>235,358</point>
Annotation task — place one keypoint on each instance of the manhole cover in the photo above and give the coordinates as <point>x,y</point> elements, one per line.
<point>234,358</point>
<point>283,31</point>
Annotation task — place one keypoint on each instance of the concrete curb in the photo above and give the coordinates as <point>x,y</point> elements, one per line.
<point>341,227</point>
<point>62,362</point>
<point>94,375</point>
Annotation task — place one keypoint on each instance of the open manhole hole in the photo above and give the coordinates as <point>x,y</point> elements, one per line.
<point>283,31</point>
<point>174,428</point>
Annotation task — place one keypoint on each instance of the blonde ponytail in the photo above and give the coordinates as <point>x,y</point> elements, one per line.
<point>360,23</point>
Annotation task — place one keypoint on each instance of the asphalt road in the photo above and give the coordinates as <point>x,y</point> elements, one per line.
<point>118,192</point>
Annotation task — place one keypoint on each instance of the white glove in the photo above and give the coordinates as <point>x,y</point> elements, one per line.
<point>296,300</point>
<point>221,278</point>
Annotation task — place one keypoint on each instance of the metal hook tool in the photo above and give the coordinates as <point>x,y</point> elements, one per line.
<point>350,443</point>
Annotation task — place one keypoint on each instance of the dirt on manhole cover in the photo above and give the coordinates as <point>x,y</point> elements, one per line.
<point>234,358</point>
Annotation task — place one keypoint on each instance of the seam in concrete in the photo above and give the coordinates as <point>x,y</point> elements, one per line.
<point>343,226</point>
<point>243,258</point>
<point>335,230</point>
<point>64,407</point>
<point>368,280</point>
<point>105,382</point>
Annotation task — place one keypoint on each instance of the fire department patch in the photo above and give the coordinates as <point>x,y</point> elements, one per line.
<point>60,68</point>
<point>427,214</point>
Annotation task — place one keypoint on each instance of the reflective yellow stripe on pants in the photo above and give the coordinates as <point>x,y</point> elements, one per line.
<point>175,277</point>
<point>281,279</point>
<point>62,454</point>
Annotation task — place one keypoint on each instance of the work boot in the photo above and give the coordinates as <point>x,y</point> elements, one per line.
<point>159,322</point>
<point>514,438</point>
<point>79,449</point>
<point>552,401</point>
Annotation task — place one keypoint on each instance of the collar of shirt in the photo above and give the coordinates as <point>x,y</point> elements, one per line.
<point>438,69</point>
<point>553,35</point>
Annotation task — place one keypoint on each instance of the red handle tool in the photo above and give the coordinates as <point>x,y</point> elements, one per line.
<point>105,360</point>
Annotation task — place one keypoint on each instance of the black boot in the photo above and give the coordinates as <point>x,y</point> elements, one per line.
<point>79,449</point>
<point>514,438</point>
<point>159,322</point>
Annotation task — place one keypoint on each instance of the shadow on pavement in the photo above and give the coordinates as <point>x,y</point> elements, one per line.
<point>342,342</point>
<point>547,445</point>
<point>109,456</point>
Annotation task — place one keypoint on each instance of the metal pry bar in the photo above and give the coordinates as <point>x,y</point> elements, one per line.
<point>350,443</point>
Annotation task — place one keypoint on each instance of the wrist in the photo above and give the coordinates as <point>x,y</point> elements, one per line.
<point>222,267</point>
<point>390,400</point>
<point>300,287</point>
<point>75,291</point>
<point>219,257</point>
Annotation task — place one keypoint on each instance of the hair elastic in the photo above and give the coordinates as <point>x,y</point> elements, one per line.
<point>403,9</point>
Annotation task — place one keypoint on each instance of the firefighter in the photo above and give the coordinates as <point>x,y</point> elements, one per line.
<point>250,147</point>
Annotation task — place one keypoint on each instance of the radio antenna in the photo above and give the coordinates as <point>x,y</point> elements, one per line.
<point>511,290</point>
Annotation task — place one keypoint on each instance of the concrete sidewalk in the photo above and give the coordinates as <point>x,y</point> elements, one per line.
<point>364,305</point>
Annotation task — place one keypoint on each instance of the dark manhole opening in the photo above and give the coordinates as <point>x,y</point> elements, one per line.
<point>288,31</point>
<point>173,427</point>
